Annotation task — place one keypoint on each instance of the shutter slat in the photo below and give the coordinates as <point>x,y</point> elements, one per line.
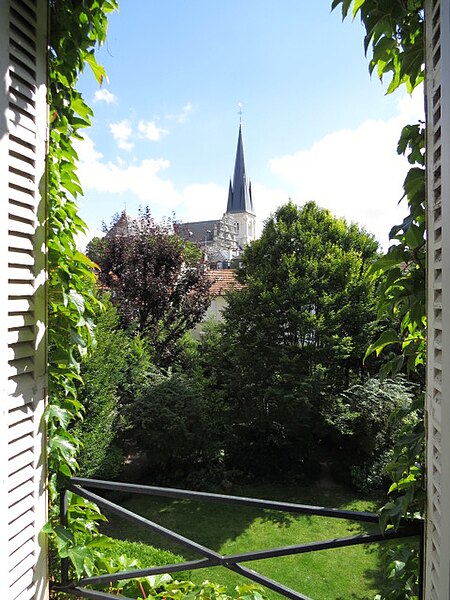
<point>20,538</point>
<point>27,386</point>
<point>22,226</point>
<point>20,508</point>
<point>18,414</point>
<point>24,490</point>
<point>21,273</point>
<point>21,181</point>
<point>17,305</point>
<point>29,4</point>
<point>20,477</point>
<point>21,147</point>
<point>21,258</point>
<point>21,553</point>
<point>18,85</point>
<point>22,319</point>
<point>21,217</point>
<point>22,574</point>
<point>20,351</point>
<point>28,137</point>
<point>20,367</point>
<point>17,241</point>
<point>21,429</point>
<point>21,460</point>
<point>23,165</point>
<point>14,113</point>
<point>17,525</point>
<point>22,288</point>
<point>21,335</point>
<point>17,494</point>
<point>17,70</point>
<point>24,105</point>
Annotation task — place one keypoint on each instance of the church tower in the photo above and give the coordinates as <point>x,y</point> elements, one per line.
<point>240,202</point>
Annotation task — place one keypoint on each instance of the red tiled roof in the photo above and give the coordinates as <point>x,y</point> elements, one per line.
<point>223,280</point>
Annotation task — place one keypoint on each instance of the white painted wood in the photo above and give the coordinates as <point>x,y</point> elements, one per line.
<point>437,568</point>
<point>23,132</point>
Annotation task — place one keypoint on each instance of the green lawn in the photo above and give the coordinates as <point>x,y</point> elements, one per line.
<point>343,573</point>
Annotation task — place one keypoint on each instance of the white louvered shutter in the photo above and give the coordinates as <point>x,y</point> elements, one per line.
<point>438,369</point>
<point>23,120</point>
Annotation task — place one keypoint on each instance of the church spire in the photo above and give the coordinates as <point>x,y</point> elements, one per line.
<point>240,192</point>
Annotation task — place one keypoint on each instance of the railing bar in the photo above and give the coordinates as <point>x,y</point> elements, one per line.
<point>130,516</point>
<point>250,556</point>
<point>411,528</point>
<point>421,567</point>
<point>63,509</point>
<point>226,499</point>
<point>269,583</point>
<point>93,594</point>
<point>320,545</point>
<point>174,568</point>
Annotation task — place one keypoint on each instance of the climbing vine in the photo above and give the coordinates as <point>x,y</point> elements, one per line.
<point>395,36</point>
<point>76,28</point>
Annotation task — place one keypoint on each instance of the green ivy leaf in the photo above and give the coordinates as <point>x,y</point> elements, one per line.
<point>97,69</point>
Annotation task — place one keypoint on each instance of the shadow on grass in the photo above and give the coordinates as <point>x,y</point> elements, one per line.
<point>234,529</point>
<point>207,524</point>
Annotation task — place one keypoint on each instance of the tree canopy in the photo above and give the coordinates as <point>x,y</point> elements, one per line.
<point>158,281</point>
<point>297,331</point>
<point>305,292</point>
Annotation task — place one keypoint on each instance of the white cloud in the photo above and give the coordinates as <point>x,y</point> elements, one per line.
<point>150,131</point>
<point>355,173</point>
<point>182,116</point>
<point>144,183</point>
<point>141,180</point>
<point>121,133</point>
<point>266,201</point>
<point>86,150</point>
<point>203,202</point>
<point>105,95</point>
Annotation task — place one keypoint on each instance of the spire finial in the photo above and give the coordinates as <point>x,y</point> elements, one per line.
<point>240,113</point>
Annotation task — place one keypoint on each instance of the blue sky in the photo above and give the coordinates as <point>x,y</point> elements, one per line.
<point>315,125</point>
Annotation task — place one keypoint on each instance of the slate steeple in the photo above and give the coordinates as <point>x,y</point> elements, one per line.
<point>240,192</point>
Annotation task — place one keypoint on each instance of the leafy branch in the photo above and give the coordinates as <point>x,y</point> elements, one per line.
<point>76,28</point>
<point>395,35</point>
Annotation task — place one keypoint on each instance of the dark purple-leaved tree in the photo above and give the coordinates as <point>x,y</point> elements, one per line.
<point>157,280</point>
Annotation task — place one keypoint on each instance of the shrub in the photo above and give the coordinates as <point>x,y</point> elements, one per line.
<point>102,373</point>
<point>167,421</point>
<point>365,428</point>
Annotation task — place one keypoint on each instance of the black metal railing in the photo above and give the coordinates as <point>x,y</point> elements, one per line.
<point>210,558</point>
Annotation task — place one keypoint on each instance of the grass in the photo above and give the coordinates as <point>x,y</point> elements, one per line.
<point>345,573</point>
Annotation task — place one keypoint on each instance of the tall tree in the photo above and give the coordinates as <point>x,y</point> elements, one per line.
<point>157,280</point>
<point>298,329</point>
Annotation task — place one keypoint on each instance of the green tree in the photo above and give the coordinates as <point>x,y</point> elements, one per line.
<point>103,374</point>
<point>297,331</point>
<point>167,421</point>
<point>158,281</point>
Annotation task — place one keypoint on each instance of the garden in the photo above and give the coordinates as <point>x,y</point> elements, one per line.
<point>309,391</point>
